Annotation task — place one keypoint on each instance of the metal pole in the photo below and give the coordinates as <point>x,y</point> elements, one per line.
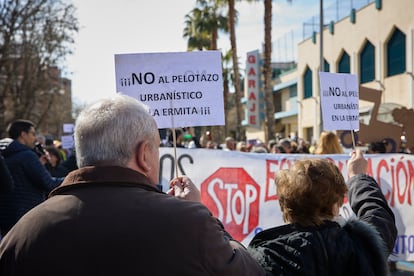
<point>321,61</point>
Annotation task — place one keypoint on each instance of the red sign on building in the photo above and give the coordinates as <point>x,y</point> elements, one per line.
<point>252,86</point>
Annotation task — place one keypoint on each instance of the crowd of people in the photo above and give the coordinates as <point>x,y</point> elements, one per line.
<point>108,217</point>
<point>328,143</point>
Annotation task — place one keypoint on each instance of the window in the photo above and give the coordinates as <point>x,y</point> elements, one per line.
<point>344,64</point>
<point>326,66</point>
<point>307,83</point>
<point>396,53</point>
<point>293,91</point>
<point>367,63</point>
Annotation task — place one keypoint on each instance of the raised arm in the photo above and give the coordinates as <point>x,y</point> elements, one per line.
<point>367,200</point>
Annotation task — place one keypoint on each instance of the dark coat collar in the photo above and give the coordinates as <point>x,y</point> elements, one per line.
<point>103,175</point>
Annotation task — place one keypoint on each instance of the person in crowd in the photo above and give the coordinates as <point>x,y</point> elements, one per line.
<point>328,144</point>
<point>271,145</point>
<point>286,144</point>
<point>63,153</point>
<point>32,181</point>
<point>241,146</point>
<point>230,144</point>
<point>54,165</point>
<point>303,146</point>
<point>179,135</point>
<point>316,240</point>
<point>70,162</point>
<point>6,179</point>
<point>109,218</point>
<point>377,147</point>
<point>211,145</point>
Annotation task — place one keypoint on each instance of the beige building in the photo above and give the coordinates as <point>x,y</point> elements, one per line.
<point>374,42</point>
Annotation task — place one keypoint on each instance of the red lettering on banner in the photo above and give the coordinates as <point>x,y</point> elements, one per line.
<point>402,179</point>
<point>252,108</point>
<point>233,196</point>
<point>252,120</point>
<point>272,167</point>
<point>252,96</point>
<point>251,84</point>
<point>252,72</point>
<point>251,59</point>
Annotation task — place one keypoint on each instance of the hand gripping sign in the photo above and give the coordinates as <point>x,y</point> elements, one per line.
<point>182,89</point>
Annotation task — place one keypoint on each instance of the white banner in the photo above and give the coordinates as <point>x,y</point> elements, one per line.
<point>181,89</point>
<point>239,189</point>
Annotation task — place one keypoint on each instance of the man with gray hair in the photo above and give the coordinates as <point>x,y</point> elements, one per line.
<point>109,218</point>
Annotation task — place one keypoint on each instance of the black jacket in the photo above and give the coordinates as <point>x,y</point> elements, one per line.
<point>32,182</point>
<point>112,221</point>
<point>358,247</point>
<point>6,180</point>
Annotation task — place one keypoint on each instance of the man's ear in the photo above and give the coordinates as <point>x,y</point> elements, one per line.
<point>142,157</point>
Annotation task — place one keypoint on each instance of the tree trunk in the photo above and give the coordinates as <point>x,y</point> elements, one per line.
<point>236,78</point>
<point>267,71</point>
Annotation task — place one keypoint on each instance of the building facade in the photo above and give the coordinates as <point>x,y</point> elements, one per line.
<point>374,42</point>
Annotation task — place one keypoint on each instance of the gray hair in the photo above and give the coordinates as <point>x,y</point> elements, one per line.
<point>107,132</point>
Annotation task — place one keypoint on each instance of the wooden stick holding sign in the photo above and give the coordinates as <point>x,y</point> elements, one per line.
<point>340,102</point>
<point>182,89</point>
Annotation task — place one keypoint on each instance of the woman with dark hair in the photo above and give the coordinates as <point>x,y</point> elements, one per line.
<point>54,165</point>
<point>316,240</point>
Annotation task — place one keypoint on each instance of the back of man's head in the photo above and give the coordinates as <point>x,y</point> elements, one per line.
<point>16,127</point>
<point>108,132</point>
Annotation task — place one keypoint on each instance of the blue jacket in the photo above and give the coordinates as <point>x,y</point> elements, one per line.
<point>32,182</point>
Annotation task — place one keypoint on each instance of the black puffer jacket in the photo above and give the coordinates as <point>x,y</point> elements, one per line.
<point>359,247</point>
<point>32,182</point>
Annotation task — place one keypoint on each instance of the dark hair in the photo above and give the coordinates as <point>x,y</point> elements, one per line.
<point>378,147</point>
<point>16,128</point>
<point>55,152</point>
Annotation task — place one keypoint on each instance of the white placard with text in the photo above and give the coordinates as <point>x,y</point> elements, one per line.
<point>182,89</point>
<point>339,101</point>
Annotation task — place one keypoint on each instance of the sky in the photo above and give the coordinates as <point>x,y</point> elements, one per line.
<point>141,26</point>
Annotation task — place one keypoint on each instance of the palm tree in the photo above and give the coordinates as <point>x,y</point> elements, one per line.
<point>202,26</point>
<point>226,77</point>
<point>232,17</point>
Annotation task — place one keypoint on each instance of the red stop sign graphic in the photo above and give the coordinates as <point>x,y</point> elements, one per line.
<point>232,195</point>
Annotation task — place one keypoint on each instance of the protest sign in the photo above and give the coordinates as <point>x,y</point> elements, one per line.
<point>68,142</point>
<point>68,128</point>
<point>182,89</point>
<point>339,101</point>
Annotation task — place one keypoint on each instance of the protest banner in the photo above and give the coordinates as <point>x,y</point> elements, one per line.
<point>182,89</point>
<point>239,188</point>
<point>339,101</point>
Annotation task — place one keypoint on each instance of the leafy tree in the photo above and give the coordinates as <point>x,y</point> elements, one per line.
<point>35,38</point>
